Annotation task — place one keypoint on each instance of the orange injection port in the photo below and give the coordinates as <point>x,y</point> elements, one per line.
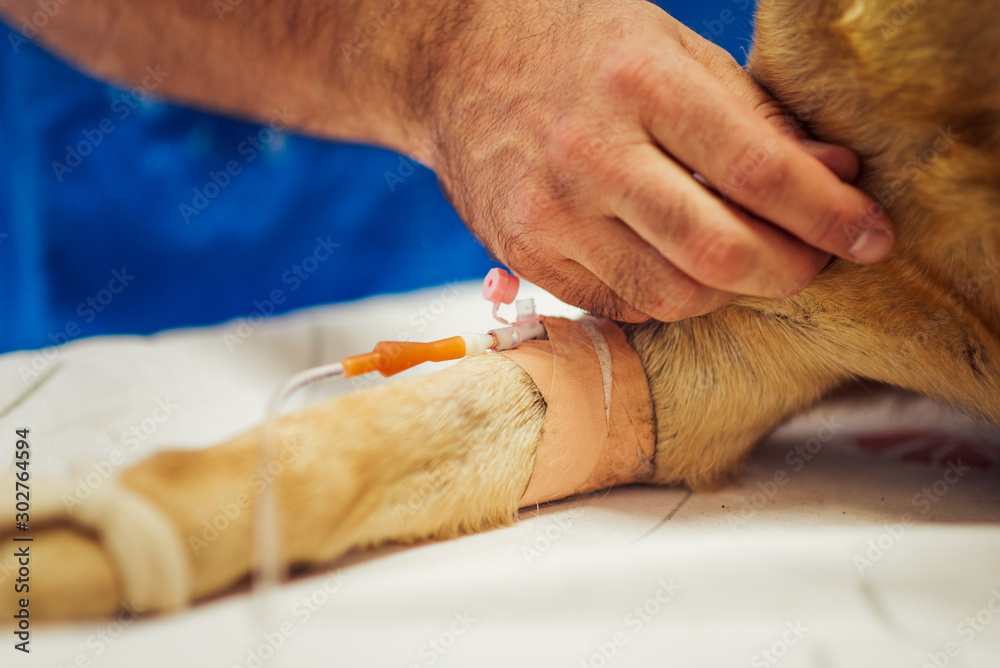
<point>391,357</point>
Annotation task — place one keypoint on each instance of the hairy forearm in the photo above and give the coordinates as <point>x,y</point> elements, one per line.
<point>358,70</point>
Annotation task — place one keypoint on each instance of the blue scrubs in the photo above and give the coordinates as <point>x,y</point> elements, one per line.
<point>122,214</point>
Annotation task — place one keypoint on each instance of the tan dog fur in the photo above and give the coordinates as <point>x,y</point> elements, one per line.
<point>437,456</point>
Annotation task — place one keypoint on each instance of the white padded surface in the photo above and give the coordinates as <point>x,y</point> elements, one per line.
<point>846,542</point>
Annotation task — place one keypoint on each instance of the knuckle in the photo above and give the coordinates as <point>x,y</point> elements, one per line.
<point>581,158</point>
<point>667,310</point>
<point>707,52</point>
<point>623,185</point>
<point>575,143</point>
<point>759,172</point>
<point>840,226</point>
<point>736,79</point>
<point>637,72</point>
<point>526,202</point>
<point>624,66</point>
<point>788,283</point>
<point>722,260</point>
<point>684,300</point>
<point>830,228</point>
<point>615,159</point>
<point>794,286</point>
<point>565,139</point>
<point>804,275</point>
<point>667,218</point>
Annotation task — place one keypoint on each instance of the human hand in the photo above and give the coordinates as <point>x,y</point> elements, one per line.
<point>587,145</point>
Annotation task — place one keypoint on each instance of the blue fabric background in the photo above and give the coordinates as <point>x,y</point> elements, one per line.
<point>104,245</point>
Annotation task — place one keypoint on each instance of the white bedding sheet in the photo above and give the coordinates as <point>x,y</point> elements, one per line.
<point>854,537</point>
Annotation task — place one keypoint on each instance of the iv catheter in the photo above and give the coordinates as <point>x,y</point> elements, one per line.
<point>388,358</point>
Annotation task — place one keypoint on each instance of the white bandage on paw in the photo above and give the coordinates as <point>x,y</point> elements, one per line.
<point>151,560</point>
<point>147,554</point>
<point>598,430</point>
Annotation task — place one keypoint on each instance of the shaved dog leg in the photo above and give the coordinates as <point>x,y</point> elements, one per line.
<point>431,457</point>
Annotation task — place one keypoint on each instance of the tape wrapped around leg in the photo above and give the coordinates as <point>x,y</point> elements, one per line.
<point>598,430</point>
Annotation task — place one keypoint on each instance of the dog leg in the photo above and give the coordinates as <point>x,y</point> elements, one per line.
<point>719,383</point>
<point>431,457</point>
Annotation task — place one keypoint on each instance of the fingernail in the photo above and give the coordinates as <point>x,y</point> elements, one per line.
<point>872,246</point>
